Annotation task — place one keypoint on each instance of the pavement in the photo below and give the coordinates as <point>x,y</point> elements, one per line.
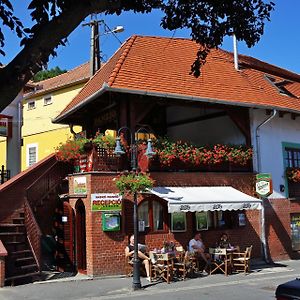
<point>259,284</point>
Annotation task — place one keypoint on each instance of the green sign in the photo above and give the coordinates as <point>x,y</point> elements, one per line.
<point>201,220</point>
<point>106,202</point>
<point>178,222</point>
<point>111,222</point>
<point>263,185</point>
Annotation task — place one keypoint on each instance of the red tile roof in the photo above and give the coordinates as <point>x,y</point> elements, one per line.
<point>162,65</point>
<point>74,76</point>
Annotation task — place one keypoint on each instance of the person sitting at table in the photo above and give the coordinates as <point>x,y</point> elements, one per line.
<point>144,259</point>
<point>225,244</point>
<point>197,247</point>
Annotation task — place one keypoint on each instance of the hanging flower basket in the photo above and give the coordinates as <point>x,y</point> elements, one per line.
<point>293,174</point>
<point>134,183</point>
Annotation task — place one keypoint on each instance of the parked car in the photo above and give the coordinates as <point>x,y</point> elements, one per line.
<point>289,290</point>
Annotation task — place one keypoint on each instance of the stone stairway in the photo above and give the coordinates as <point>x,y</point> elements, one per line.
<point>21,266</point>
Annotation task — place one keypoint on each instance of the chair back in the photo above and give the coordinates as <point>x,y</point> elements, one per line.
<point>248,252</point>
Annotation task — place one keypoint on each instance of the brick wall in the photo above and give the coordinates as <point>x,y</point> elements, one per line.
<point>3,254</point>
<point>105,250</point>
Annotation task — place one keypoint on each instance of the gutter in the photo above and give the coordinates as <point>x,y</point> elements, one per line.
<point>106,88</point>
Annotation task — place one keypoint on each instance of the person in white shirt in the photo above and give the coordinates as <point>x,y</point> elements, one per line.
<point>197,247</point>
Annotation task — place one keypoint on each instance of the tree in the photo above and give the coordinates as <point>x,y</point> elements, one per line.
<point>210,21</point>
<point>45,74</point>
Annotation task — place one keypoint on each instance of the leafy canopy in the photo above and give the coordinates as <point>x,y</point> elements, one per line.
<point>53,20</point>
<point>45,74</point>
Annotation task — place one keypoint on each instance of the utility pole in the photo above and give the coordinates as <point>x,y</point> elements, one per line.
<point>95,59</point>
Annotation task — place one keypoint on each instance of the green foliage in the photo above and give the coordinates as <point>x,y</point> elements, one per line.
<point>104,141</point>
<point>134,183</point>
<point>45,74</point>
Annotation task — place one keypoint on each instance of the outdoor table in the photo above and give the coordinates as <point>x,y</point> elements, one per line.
<point>163,266</point>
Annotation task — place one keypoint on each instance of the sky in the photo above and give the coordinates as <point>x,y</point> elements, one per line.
<point>279,45</point>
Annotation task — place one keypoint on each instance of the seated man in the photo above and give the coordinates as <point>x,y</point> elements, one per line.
<point>224,243</point>
<point>197,247</point>
<point>144,259</point>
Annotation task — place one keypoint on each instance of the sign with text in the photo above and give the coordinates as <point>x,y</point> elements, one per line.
<point>80,186</point>
<point>263,185</point>
<point>106,202</point>
<point>5,126</point>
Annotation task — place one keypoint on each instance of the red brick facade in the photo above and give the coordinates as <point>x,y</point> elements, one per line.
<point>105,250</point>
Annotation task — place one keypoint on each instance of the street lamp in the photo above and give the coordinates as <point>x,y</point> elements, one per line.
<point>136,281</point>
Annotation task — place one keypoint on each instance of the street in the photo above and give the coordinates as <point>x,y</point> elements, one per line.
<point>259,284</point>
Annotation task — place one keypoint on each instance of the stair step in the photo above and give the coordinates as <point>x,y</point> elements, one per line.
<point>24,259</point>
<point>14,243</point>
<point>11,233</point>
<point>33,274</point>
<point>21,252</point>
<point>28,266</point>
<point>11,225</point>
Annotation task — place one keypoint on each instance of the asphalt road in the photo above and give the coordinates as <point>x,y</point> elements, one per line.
<point>259,284</point>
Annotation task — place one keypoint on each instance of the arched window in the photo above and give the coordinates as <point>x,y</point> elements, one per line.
<point>153,213</point>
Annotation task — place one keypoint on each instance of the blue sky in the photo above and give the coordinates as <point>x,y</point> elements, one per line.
<point>279,45</point>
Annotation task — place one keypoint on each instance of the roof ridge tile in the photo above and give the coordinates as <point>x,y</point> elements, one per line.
<point>121,60</point>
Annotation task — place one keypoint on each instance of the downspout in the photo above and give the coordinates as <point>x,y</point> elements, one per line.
<point>258,169</point>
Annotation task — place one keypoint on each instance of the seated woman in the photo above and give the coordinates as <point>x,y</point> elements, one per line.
<point>144,259</point>
<point>224,243</point>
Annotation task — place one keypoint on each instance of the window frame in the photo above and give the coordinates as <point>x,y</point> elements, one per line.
<point>34,145</point>
<point>150,228</point>
<point>213,219</point>
<point>31,102</point>
<point>47,97</point>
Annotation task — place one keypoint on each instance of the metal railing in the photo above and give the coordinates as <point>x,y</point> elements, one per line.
<point>4,175</point>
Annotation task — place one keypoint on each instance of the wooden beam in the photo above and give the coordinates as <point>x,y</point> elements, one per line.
<point>197,119</point>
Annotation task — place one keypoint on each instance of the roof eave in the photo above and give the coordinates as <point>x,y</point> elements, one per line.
<point>89,99</point>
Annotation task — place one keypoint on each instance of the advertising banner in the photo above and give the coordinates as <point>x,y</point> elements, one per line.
<point>106,202</point>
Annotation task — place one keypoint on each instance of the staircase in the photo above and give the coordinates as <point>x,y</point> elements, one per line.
<point>21,266</point>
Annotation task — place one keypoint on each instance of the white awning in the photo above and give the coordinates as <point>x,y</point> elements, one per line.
<point>205,198</point>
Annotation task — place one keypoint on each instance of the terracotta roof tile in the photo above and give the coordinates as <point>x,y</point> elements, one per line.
<point>162,65</point>
<point>78,74</point>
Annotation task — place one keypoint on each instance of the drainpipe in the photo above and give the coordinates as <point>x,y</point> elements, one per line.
<point>258,169</point>
<point>235,53</point>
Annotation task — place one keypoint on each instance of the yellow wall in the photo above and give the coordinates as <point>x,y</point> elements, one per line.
<point>2,151</point>
<point>37,126</point>
<point>38,120</point>
<point>46,143</point>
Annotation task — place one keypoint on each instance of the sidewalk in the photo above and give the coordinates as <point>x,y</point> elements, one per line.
<point>86,288</point>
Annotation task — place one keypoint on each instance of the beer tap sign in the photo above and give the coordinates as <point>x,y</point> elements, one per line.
<point>263,185</point>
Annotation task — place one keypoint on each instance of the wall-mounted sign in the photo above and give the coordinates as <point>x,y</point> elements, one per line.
<point>5,126</point>
<point>201,220</point>
<point>106,202</point>
<point>111,222</point>
<point>263,185</point>
<point>79,184</point>
<point>178,222</point>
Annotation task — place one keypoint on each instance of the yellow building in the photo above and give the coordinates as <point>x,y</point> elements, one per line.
<point>40,136</point>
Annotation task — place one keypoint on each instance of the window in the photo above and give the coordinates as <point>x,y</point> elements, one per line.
<point>292,157</point>
<point>280,85</point>
<point>223,219</point>
<point>295,231</point>
<point>152,213</point>
<point>47,100</point>
<point>31,154</point>
<point>31,105</point>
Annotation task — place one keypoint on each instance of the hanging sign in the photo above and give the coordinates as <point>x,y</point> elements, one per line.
<point>263,184</point>
<point>5,126</point>
<point>106,202</point>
